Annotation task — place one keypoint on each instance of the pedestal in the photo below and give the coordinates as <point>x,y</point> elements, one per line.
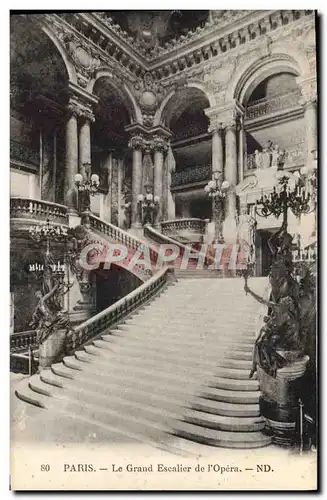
<point>52,349</point>
<point>279,401</point>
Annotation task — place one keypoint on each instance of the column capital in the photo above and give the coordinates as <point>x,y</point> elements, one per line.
<point>224,116</point>
<point>157,143</point>
<point>137,142</point>
<point>308,89</point>
<point>80,110</point>
<point>81,102</point>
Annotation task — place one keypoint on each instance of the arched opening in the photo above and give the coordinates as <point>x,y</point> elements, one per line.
<point>274,119</point>
<point>39,95</point>
<point>191,145</point>
<point>112,285</point>
<point>111,158</point>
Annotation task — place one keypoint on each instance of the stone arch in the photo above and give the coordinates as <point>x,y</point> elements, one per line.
<point>158,118</point>
<point>59,46</point>
<point>130,101</point>
<point>250,74</point>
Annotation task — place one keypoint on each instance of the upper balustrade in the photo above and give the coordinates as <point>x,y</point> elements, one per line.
<point>189,225</point>
<point>191,175</point>
<point>293,158</point>
<point>263,107</point>
<point>27,208</point>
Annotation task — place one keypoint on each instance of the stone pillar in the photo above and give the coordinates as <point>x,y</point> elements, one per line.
<point>159,147</point>
<point>217,148</point>
<point>231,167</point>
<point>308,87</point>
<point>310,118</point>
<point>170,213</point>
<point>108,199</point>
<point>71,163</point>
<point>84,144</point>
<point>137,144</point>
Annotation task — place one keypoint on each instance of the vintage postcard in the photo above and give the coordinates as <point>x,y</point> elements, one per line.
<point>163,227</point>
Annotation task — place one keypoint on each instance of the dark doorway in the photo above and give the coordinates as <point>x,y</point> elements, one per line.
<point>263,255</point>
<point>201,208</point>
<point>112,285</point>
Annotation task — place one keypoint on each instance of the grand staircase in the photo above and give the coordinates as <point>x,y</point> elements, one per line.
<point>177,370</point>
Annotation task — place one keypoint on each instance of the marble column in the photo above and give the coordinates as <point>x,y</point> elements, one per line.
<point>217,148</point>
<point>231,167</point>
<point>308,88</point>
<point>170,213</point>
<point>71,163</point>
<point>137,145</point>
<point>108,198</point>
<point>84,143</point>
<point>159,147</point>
<point>310,118</point>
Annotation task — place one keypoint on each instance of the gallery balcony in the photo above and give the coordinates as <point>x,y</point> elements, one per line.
<point>191,176</point>
<point>24,211</point>
<point>188,230</point>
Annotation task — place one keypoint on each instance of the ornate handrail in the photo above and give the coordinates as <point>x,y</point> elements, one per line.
<point>266,106</point>
<point>189,224</point>
<point>294,157</point>
<point>190,175</point>
<point>24,153</point>
<point>109,317</point>
<point>163,239</point>
<point>22,340</point>
<point>119,235</point>
<point>28,208</point>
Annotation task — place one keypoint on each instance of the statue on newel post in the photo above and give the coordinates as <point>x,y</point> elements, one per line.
<point>280,355</point>
<point>49,318</point>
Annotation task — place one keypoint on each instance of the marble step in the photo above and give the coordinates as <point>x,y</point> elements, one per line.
<point>223,423</point>
<point>161,357</point>
<point>203,351</point>
<point>173,337</point>
<point>225,409</point>
<point>213,437</point>
<point>160,378</point>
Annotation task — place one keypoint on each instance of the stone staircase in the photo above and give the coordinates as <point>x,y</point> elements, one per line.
<point>175,371</point>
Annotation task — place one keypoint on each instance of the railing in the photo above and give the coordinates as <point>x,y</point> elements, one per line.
<point>23,363</point>
<point>191,225</point>
<point>27,208</point>
<point>265,106</point>
<point>116,312</point>
<point>190,175</point>
<point>294,157</point>
<point>305,258</point>
<point>163,239</point>
<point>120,236</point>
<point>24,153</point>
<point>22,340</point>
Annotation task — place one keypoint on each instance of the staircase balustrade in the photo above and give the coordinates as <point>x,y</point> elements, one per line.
<point>22,340</point>
<point>27,208</point>
<point>116,312</point>
<point>192,224</point>
<point>120,236</point>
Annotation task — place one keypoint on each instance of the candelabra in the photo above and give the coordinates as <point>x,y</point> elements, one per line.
<point>284,197</point>
<point>88,186</point>
<point>217,191</point>
<point>148,205</point>
<point>47,233</point>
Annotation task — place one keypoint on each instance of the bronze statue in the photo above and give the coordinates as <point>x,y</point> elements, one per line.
<point>279,340</point>
<point>49,315</point>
